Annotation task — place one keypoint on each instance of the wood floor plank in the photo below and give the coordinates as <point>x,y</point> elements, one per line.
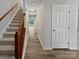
<point>34,51</point>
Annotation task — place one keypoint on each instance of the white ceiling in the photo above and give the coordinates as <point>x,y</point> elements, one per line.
<point>33,3</point>
<point>36,3</point>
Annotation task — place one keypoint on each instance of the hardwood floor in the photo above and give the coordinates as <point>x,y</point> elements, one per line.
<point>35,51</point>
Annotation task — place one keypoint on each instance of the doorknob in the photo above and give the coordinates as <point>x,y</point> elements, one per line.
<point>54,30</point>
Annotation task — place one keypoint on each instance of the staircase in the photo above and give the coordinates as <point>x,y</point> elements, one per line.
<point>7,44</point>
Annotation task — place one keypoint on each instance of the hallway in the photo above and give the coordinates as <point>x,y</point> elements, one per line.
<point>35,51</point>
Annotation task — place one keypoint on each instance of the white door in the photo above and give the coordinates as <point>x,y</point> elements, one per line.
<point>60,26</point>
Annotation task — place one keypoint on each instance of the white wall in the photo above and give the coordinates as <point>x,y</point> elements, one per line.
<point>6,5</point>
<point>22,3</point>
<point>73,22</point>
<point>39,23</point>
<point>44,22</point>
<point>78,27</point>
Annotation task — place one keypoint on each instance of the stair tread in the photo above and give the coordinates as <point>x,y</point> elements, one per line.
<point>13,27</point>
<point>7,57</point>
<point>7,42</point>
<point>14,24</point>
<point>7,39</point>
<point>7,48</point>
<point>9,32</point>
<point>15,20</point>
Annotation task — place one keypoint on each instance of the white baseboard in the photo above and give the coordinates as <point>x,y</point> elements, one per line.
<point>73,48</point>
<point>40,42</point>
<point>47,48</point>
<point>44,48</point>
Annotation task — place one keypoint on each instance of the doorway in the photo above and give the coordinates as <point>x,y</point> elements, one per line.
<point>32,20</point>
<point>60,26</point>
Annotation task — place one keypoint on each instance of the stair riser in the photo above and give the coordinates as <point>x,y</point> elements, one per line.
<point>8,35</point>
<point>17,19</point>
<point>14,25</point>
<point>15,22</point>
<point>11,30</point>
<point>7,53</point>
<point>7,43</point>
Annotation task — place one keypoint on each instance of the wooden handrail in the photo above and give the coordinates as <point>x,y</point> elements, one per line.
<point>8,12</point>
<point>19,39</point>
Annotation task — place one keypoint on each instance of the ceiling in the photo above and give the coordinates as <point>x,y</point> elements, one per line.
<point>36,3</point>
<point>33,3</point>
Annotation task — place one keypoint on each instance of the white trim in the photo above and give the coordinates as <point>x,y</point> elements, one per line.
<point>44,48</point>
<point>25,46</point>
<point>47,49</point>
<point>73,48</point>
<point>25,43</point>
<point>40,42</point>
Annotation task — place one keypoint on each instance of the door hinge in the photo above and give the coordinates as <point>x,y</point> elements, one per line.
<point>69,12</point>
<point>68,27</point>
<point>68,43</point>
